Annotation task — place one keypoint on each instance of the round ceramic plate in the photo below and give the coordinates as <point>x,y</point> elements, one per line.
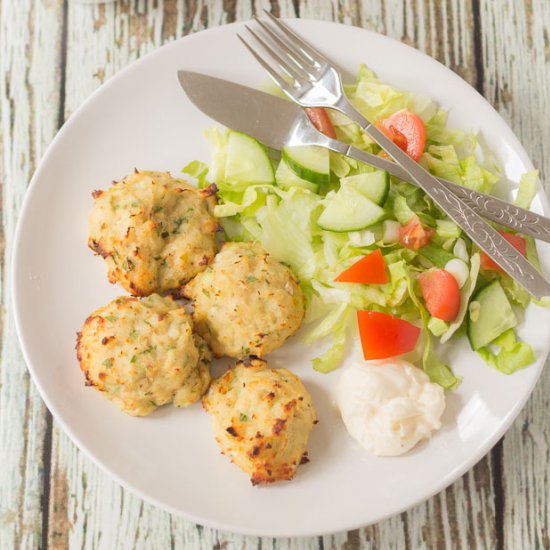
<point>142,118</point>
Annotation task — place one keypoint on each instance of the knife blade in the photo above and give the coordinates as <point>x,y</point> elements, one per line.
<point>276,123</point>
<point>266,117</point>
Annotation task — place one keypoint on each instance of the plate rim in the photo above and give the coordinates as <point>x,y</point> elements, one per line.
<point>15,290</point>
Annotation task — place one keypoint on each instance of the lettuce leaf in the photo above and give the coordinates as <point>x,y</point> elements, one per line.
<point>511,354</point>
<point>465,295</point>
<point>287,229</point>
<point>218,153</point>
<point>198,170</point>
<point>528,187</point>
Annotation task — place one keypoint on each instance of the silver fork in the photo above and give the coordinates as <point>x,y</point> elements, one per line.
<point>308,78</point>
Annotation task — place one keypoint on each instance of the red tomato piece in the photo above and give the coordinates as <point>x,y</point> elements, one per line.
<point>407,131</point>
<point>397,137</point>
<point>320,119</point>
<point>370,270</point>
<point>441,294</point>
<point>383,335</point>
<point>414,235</point>
<point>515,240</point>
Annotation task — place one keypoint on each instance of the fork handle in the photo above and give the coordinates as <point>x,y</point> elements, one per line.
<point>491,242</point>
<point>497,210</point>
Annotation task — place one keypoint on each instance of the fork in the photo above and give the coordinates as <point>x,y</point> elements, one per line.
<point>308,78</point>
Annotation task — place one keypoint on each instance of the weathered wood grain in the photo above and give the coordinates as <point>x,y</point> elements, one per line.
<point>516,47</point>
<point>30,41</point>
<point>507,56</point>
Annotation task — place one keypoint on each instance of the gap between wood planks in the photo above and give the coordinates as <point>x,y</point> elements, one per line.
<point>496,452</point>
<point>47,447</point>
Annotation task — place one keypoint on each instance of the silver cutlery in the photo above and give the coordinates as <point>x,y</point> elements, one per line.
<point>308,78</point>
<point>278,123</point>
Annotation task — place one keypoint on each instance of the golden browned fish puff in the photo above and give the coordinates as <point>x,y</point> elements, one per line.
<point>143,354</point>
<point>246,302</point>
<point>154,232</point>
<point>262,419</point>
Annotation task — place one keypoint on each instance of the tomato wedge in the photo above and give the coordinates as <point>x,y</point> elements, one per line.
<point>441,294</point>
<point>407,131</point>
<point>515,240</point>
<point>320,119</point>
<point>370,270</point>
<point>414,235</point>
<point>383,335</point>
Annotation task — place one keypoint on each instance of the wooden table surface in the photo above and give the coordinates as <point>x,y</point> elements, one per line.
<point>53,55</point>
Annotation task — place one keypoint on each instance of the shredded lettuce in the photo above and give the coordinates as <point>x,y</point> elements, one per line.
<point>465,295</point>
<point>236,203</point>
<point>287,229</point>
<point>510,355</point>
<point>437,255</point>
<point>218,146</point>
<point>198,170</point>
<point>447,229</point>
<point>528,187</point>
<point>437,327</point>
<point>402,211</point>
<point>334,325</point>
<point>514,291</point>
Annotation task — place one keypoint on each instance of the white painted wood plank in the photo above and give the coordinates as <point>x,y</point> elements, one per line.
<point>516,49</point>
<point>29,93</point>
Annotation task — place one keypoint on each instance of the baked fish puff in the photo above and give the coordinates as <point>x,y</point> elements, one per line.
<point>143,354</point>
<point>262,419</point>
<point>246,302</point>
<point>154,232</point>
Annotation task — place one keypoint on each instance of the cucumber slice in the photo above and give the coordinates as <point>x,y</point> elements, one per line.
<point>309,162</point>
<point>374,185</point>
<point>349,210</point>
<point>286,178</point>
<point>493,316</point>
<point>247,162</point>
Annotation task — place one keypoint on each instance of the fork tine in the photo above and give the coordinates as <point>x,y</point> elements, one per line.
<point>314,55</point>
<point>297,56</point>
<point>281,82</point>
<point>292,71</point>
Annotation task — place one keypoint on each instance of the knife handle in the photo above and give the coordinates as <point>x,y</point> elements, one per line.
<point>489,240</point>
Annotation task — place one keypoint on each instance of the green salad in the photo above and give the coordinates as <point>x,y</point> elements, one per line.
<point>323,214</point>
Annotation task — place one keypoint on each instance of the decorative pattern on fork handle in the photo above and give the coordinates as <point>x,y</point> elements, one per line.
<point>459,210</point>
<point>511,216</point>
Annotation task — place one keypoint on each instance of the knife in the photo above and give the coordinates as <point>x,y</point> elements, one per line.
<point>277,123</point>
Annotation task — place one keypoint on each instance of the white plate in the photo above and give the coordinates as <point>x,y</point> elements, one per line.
<point>142,118</point>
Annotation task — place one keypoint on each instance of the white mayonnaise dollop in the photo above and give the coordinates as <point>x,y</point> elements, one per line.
<point>389,406</point>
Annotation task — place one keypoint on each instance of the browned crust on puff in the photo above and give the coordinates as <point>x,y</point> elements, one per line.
<point>262,418</point>
<point>98,249</point>
<point>210,191</point>
<point>171,221</point>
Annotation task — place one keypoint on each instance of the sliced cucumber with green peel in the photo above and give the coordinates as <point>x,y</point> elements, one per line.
<point>493,315</point>
<point>309,162</point>
<point>287,178</point>
<point>374,185</point>
<point>247,162</point>
<point>349,210</point>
